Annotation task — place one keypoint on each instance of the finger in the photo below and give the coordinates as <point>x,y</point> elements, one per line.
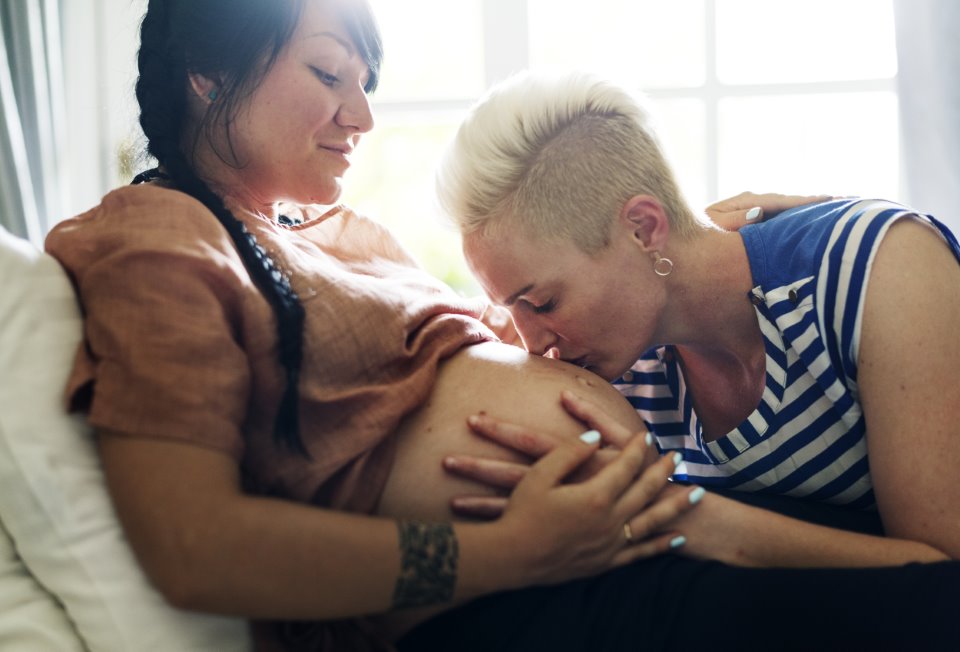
<point>552,468</point>
<point>518,438</point>
<point>774,203</point>
<point>495,473</point>
<point>647,548</point>
<point>647,486</point>
<point>657,516</point>
<point>622,472</point>
<point>749,207</point>
<point>612,431</point>
<point>487,507</point>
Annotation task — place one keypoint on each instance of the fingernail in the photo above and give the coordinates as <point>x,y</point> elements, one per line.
<point>697,495</point>
<point>449,462</point>
<point>676,542</point>
<point>677,458</point>
<point>648,439</point>
<point>753,213</point>
<point>473,420</point>
<point>590,437</point>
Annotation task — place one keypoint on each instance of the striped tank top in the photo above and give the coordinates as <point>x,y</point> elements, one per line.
<point>806,438</point>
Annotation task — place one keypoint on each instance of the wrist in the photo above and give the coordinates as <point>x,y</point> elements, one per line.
<point>734,537</point>
<point>490,560</point>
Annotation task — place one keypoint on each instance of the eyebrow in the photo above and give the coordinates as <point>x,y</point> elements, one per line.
<point>512,299</point>
<point>346,44</point>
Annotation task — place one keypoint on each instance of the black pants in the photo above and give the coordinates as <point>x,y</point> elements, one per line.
<point>672,603</point>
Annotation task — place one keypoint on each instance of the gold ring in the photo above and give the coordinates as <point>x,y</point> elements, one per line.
<point>627,532</point>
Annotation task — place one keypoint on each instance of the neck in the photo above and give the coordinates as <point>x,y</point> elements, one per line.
<point>224,179</point>
<point>709,316</point>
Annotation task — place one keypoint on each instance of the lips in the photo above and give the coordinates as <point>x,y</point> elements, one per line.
<point>580,362</point>
<point>343,149</point>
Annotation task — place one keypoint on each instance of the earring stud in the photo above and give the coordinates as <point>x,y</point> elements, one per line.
<point>212,95</point>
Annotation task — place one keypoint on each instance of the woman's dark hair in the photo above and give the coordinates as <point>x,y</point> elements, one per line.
<point>235,42</point>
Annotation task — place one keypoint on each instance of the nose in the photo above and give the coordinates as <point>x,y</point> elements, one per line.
<point>537,339</point>
<point>355,111</point>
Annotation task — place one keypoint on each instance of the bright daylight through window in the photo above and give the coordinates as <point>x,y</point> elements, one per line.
<point>749,94</point>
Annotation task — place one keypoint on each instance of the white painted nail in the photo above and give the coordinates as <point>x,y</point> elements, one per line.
<point>676,542</point>
<point>754,213</point>
<point>590,437</point>
<point>697,495</point>
<point>648,439</point>
<point>677,458</point>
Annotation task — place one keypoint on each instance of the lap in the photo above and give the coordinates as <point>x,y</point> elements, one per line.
<point>673,603</point>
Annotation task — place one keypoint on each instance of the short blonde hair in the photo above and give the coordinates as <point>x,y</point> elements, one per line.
<point>561,155</point>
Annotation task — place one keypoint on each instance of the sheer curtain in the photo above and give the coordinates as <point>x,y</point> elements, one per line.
<point>32,183</point>
<point>928,52</point>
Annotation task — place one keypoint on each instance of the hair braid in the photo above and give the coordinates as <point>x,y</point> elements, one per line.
<point>161,92</point>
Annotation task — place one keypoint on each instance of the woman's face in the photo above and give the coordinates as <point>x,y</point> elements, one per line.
<point>596,311</point>
<point>295,136</point>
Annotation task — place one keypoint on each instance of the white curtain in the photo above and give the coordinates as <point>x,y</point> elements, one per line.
<point>32,111</point>
<point>928,52</point>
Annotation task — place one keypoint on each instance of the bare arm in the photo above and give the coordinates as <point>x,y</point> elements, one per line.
<point>909,376</point>
<point>209,547</point>
<point>739,534</point>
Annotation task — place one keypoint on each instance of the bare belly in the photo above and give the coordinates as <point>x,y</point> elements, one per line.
<point>507,383</point>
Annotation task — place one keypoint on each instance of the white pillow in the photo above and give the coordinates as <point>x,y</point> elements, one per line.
<point>30,618</point>
<point>53,498</point>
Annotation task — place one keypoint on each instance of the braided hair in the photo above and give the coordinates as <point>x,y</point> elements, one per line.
<point>235,41</point>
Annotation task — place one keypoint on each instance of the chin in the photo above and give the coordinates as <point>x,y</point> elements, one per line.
<point>325,196</point>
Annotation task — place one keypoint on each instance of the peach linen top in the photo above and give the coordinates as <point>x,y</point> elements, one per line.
<point>180,344</point>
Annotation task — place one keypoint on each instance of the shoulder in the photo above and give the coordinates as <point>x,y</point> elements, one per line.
<point>811,240</point>
<point>145,207</point>
<point>140,221</point>
<point>353,235</point>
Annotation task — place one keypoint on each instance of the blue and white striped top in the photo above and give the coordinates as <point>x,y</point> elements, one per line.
<point>807,437</point>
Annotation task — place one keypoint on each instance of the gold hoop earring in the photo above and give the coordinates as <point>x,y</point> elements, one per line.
<point>662,266</point>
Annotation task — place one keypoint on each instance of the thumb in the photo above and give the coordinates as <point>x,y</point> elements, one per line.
<point>552,468</point>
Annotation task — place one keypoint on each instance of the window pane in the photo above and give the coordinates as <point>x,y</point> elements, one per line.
<point>840,144</point>
<point>392,181</point>
<point>681,125</point>
<point>433,49</point>
<point>647,42</point>
<point>759,41</point>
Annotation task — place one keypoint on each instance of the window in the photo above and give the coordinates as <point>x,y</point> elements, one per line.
<point>749,94</point>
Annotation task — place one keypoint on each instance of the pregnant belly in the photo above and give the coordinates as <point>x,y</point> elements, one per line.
<point>507,383</point>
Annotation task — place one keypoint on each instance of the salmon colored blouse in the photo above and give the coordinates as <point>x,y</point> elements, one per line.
<point>180,344</point>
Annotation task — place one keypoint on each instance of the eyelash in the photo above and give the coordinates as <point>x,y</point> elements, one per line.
<point>325,77</point>
<point>546,307</point>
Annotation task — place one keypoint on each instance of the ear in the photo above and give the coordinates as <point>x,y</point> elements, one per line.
<point>644,217</point>
<point>204,87</point>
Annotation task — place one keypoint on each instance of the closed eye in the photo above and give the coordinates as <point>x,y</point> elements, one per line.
<point>545,307</point>
<point>325,77</point>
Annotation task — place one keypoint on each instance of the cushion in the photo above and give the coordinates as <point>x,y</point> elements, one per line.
<point>53,498</point>
<point>31,620</point>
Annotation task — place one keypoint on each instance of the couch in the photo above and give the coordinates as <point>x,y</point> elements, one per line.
<point>68,579</point>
